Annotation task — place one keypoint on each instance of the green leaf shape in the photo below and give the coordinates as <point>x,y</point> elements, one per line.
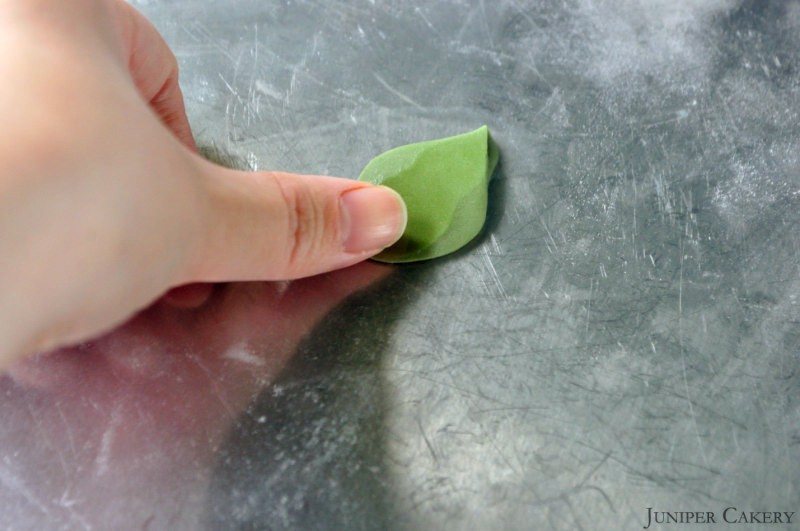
<point>445,185</point>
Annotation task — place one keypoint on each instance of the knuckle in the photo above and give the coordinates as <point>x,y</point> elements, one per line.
<point>310,223</point>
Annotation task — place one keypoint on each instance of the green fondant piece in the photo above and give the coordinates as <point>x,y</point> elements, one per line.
<point>445,186</point>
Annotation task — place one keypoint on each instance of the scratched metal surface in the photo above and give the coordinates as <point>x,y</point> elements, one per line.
<point>624,335</point>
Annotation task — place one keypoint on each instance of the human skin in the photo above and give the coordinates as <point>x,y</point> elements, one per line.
<point>105,203</point>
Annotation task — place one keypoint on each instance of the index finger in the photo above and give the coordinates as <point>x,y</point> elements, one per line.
<point>154,70</point>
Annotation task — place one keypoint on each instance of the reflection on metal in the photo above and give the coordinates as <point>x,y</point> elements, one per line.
<point>624,336</point>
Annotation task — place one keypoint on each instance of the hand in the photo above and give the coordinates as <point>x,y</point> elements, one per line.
<point>104,202</point>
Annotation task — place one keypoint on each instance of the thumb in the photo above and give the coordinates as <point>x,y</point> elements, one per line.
<point>281,226</point>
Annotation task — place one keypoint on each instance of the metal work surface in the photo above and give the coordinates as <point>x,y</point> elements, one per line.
<point>624,335</point>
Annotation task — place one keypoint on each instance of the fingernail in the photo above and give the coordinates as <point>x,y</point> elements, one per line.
<point>373,217</point>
